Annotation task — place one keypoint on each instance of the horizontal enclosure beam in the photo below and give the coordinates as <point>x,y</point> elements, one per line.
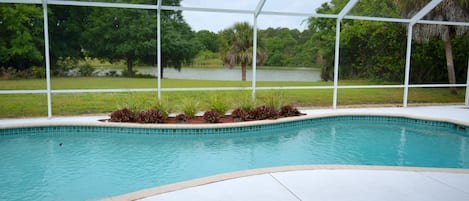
<point>299,14</point>
<point>443,23</point>
<point>22,1</point>
<point>63,91</point>
<point>239,11</point>
<point>38,91</point>
<point>379,19</point>
<point>103,4</point>
<point>216,10</point>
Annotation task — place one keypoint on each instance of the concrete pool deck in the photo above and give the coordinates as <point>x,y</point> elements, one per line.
<point>327,182</point>
<point>322,183</point>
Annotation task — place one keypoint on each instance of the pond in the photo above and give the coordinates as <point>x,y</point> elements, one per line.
<point>295,74</point>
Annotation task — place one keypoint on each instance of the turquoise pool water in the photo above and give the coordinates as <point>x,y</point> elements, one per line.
<point>89,163</point>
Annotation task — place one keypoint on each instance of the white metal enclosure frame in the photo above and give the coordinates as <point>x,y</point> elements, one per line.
<point>256,12</point>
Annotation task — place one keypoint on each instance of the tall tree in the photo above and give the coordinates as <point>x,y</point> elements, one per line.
<point>178,42</point>
<point>21,31</point>
<point>280,44</point>
<point>116,34</point>
<point>130,34</point>
<point>208,40</point>
<point>66,25</point>
<point>447,10</point>
<point>236,46</point>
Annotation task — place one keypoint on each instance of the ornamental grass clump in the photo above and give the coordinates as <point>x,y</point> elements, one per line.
<point>212,116</point>
<point>190,107</point>
<point>161,106</point>
<point>219,104</point>
<point>246,103</point>
<point>122,115</point>
<point>289,111</point>
<point>239,114</point>
<point>150,116</point>
<point>263,112</point>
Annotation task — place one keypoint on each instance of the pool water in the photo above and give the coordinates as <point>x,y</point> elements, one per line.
<point>91,166</point>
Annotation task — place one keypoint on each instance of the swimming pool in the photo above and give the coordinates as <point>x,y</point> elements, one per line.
<point>89,162</point>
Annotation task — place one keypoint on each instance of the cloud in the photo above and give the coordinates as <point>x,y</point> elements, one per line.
<point>218,21</point>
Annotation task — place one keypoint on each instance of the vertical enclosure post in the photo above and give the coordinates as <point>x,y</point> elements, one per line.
<point>407,64</point>
<point>341,15</point>
<point>254,58</point>
<point>424,11</point>
<point>254,47</point>
<point>467,84</point>
<point>47,58</point>
<point>158,47</point>
<point>336,63</point>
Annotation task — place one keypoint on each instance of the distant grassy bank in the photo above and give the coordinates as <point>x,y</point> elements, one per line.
<point>28,105</point>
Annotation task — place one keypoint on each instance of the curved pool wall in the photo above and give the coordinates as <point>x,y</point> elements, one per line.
<point>228,128</point>
<point>259,127</point>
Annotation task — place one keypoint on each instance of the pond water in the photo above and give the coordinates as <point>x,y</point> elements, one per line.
<point>297,74</point>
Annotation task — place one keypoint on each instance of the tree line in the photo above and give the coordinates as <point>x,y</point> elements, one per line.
<point>369,49</point>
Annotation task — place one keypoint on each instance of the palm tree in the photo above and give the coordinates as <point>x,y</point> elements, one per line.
<point>447,10</point>
<point>236,46</point>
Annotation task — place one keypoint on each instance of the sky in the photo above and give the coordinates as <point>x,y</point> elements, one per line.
<point>216,22</point>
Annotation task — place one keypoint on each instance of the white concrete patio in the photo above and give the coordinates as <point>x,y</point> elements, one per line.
<point>333,185</point>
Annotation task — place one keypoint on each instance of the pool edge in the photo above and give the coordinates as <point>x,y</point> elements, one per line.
<point>141,194</point>
<point>51,122</point>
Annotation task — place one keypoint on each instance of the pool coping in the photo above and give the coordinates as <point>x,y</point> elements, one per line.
<point>253,172</point>
<point>51,122</point>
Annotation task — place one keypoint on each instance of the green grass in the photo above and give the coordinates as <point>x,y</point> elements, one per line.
<point>27,105</point>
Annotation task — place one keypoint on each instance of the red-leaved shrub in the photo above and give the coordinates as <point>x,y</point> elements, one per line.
<point>122,115</point>
<point>212,116</point>
<point>289,111</point>
<point>150,116</point>
<point>263,112</point>
<point>239,114</point>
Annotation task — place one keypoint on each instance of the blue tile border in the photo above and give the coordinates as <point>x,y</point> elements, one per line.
<point>391,120</point>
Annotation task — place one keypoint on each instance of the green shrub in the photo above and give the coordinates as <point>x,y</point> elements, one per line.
<point>11,73</point>
<point>125,73</point>
<point>64,65</point>
<point>38,71</point>
<point>161,106</point>
<point>189,107</point>
<point>134,103</point>
<point>219,104</point>
<point>274,99</point>
<point>246,103</point>
<point>86,70</point>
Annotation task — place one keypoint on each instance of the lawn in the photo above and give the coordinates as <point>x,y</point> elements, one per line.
<point>28,105</point>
